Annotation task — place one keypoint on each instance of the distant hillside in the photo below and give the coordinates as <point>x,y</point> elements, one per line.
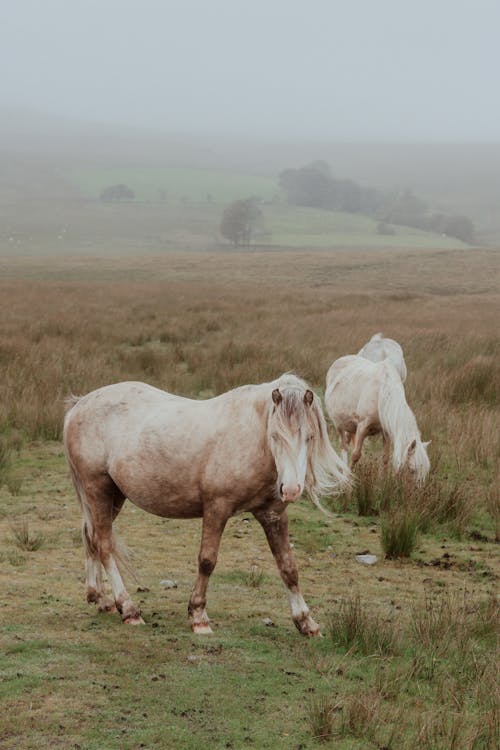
<point>49,157</point>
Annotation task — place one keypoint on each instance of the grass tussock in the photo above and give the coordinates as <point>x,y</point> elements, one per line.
<point>406,508</point>
<point>321,717</point>
<point>254,578</point>
<point>355,629</point>
<point>26,539</point>
<point>399,532</point>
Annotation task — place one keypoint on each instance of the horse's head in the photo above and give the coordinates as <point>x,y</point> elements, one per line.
<point>417,461</point>
<point>298,440</point>
<point>290,432</point>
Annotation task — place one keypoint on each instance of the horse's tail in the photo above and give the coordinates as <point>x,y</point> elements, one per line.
<point>89,537</point>
<point>90,540</point>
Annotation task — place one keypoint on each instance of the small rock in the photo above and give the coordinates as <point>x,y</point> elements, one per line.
<point>168,584</point>
<point>366,559</point>
<point>268,622</point>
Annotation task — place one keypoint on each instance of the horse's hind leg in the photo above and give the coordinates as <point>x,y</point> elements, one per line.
<point>361,433</point>
<point>345,438</point>
<point>101,502</point>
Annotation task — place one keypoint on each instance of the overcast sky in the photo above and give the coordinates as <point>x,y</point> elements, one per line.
<point>406,70</point>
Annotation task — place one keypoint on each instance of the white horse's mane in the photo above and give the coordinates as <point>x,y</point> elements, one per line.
<point>326,472</point>
<point>396,417</point>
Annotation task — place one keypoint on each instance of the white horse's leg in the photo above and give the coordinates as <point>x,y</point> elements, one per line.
<point>129,612</point>
<point>344,444</point>
<point>214,523</point>
<point>276,530</point>
<point>361,433</point>
<point>95,586</point>
<point>102,501</point>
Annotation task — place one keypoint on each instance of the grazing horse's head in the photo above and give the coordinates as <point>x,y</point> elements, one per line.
<point>298,440</point>
<point>417,461</point>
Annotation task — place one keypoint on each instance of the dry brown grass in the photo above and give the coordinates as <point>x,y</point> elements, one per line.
<point>199,324</point>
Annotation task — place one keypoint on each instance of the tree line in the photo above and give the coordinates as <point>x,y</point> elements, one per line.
<point>315,186</point>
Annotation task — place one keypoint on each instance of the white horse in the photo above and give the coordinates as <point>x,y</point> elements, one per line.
<point>380,348</point>
<point>254,449</point>
<point>367,398</point>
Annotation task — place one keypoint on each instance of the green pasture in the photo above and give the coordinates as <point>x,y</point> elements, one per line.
<point>178,183</point>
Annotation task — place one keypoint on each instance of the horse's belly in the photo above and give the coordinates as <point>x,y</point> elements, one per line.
<point>170,506</point>
<point>155,492</point>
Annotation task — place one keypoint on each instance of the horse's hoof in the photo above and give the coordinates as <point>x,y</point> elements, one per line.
<point>135,620</point>
<point>201,628</point>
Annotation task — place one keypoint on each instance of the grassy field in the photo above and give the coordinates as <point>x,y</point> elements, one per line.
<point>191,210</point>
<point>408,658</point>
<point>176,183</point>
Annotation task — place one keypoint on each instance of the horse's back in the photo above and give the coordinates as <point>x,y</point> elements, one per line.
<point>379,348</point>
<point>352,390</point>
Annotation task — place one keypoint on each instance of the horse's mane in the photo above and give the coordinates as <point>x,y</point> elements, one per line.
<point>326,472</point>
<point>396,418</point>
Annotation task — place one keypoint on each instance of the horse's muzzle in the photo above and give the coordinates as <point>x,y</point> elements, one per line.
<point>289,493</point>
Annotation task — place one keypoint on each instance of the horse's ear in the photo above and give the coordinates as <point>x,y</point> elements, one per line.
<point>411,447</point>
<point>277,397</point>
<point>427,443</point>
<point>308,397</point>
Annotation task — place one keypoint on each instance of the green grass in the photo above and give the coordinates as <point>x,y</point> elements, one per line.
<point>296,226</point>
<point>186,213</point>
<point>179,183</point>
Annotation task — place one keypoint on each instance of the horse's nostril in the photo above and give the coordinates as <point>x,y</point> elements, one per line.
<point>281,488</point>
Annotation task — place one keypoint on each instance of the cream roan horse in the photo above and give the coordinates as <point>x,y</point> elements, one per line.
<point>253,449</point>
<point>380,348</point>
<point>367,398</point>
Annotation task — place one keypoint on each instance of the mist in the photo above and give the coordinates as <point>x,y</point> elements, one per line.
<point>328,70</point>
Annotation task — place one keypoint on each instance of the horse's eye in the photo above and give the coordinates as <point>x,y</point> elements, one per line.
<point>274,436</point>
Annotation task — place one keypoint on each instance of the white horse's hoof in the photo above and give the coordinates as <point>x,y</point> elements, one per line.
<point>134,621</point>
<point>201,628</point>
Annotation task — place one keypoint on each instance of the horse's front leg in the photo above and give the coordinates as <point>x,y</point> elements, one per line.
<point>213,526</point>
<point>275,526</point>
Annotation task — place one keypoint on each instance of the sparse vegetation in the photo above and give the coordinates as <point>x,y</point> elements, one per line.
<point>353,628</point>
<point>27,540</point>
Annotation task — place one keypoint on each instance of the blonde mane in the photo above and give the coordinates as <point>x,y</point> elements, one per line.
<point>326,472</point>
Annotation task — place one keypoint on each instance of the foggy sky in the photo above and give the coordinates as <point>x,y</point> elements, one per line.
<point>403,70</point>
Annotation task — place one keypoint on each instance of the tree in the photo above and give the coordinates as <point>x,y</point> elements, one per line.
<point>117,193</point>
<point>239,221</point>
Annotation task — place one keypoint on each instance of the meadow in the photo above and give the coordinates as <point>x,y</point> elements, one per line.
<point>408,657</point>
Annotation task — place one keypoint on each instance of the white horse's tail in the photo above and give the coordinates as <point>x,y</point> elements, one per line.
<point>91,546</point>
